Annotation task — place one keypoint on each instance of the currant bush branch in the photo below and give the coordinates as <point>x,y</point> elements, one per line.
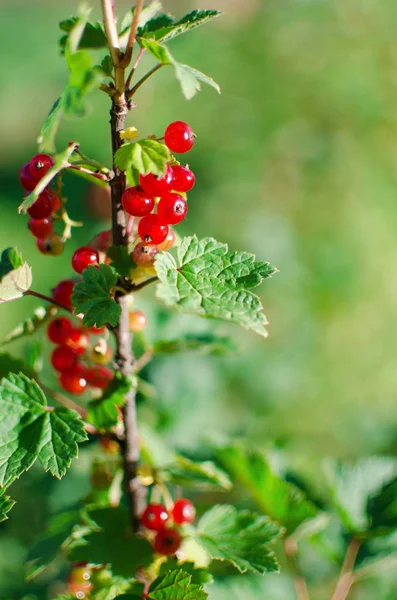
<point>346,577</point>
<point>132,34</point>
<point>132,91</point>
<point>47,299</point>
<point>291,551</point>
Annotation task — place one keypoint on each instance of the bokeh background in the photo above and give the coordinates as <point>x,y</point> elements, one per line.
<point>296,161</point>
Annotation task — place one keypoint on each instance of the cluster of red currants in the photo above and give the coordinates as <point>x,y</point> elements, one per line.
<point>161,201</point>
<point>47,204</point>
<point>156,518</point>
<point>73,347</point>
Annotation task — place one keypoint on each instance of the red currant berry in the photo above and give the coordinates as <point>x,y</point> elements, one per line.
<point>25,177</point>
<point>136,202</point>
<point>152,230</point>
<point>154,517</point>
<point>184,178</point>
<point>73,382</point>
<point>183,511</point>
<point>60,330</point>
<point>168,242</point>
<point>172,209</point>
<point>83,257</point>
<point>99,377</point>
<point>157,186</point>
<point>102,241</point>
<point>144,254</point>
<point>137,320</point>
<point>40,228</point>
<point>64,358</point>
<point>52,245</point>
<point>95,330</point>
<point>179,137</point>
<point>167,541</point>
<point>78,341</point>
<point>55,200</point>
<point>43,206</point>
<point>40,164</point>
<point>63,291</point>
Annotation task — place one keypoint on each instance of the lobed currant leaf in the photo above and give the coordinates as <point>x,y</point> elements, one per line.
<point>147,13</point>
<point>240,537</point>
<point>164,28</point>
<point>176,585</point>
<point>145,156</point>
<point>202,343</point>
<point>103,413</point>
<point>204,475</point>
<point>281,500</point>
<point>206,279</point>
<point>29,430</point>
<point>6,504</point>
<point>15,275</point>
<point>199,575</point>
<point>40,317</point>
<point>93,296</point>
<point>114,588</point>
<point>121,259</point>
<point>92,35</point>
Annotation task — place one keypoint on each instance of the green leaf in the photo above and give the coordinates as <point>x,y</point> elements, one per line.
<point>92,35</point>
<point>15,275</point>
<point>93,296</point>
<point>6,504</point>
<point>40,317</point>
<point>12,364</point>
<point>202,343</point>
<point>239,537</point>
<point>147,13</point>
<point>165,30</point>
<point>205,475</point>
<point>107,65</point>
<point>281,500</point>
<point>122,260</point>
<point>208,280</point>
<point>113,589</point>
<point>103,412</point>
<point>353,486</point>
<point>48,131</point>
<point>199,576</point>
<point>176,585</point>
<point>382,508</point>
<point>114,543</point>
<point>29,430</point>
<point>145,156</point>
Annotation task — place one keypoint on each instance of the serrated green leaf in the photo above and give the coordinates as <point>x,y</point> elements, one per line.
<point>239,537</point>
<point>29,430</point>
<point>15,275</point>
<point>12,364</point>
<point>40,317</point>
<point>281,500</point>
<point>353,486</point>
<point>205,475</point>
<point>147,13</point>
<point>208,280</point>
<point>48,131</point>
<point>198,575</point>
<point>122,260</point>
<point>93,296</point>
<point>176,585</point>
<point>145,156</point>
<point>165,29</point>
<point>113,543</point>
<point>107,65</point>
<point>160,52</point>
<point>115,588</point>
<point>103,412</point>
<point>202,343</point>
<point>6,504</point>
<point>92,35</point>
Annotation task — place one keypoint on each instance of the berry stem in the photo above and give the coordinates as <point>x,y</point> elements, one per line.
<point>136,87</point>
<point>134,67</point>
<point>138,287</point>
<point>47,299</point>
<point>61,399</point>
<point>291,551</point>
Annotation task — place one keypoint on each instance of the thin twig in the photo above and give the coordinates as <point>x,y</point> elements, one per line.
<point>132,35</point>
<point>136,87</point>
<point>47,299</point>
<point>143,360</point>
<point>134,67</point>
<point>64,400</point>
<point>291,551</point>
<point>100,176</point>
<point>111,30</point>
<point>139,286</point>
<point>346,577</point>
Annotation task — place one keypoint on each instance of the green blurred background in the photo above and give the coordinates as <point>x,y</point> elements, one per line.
<point>296,161</point>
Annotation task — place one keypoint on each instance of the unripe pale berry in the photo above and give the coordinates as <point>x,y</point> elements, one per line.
<point>184,178</point>
<point>172,209</point>
<point>179,137</point>
<point>157,186</point>
<point>144,254</point>
<point>136,202</point>
<point>168,242</point>
<point>52,245</point>
<point>152,230</point>
<point>137,320</point>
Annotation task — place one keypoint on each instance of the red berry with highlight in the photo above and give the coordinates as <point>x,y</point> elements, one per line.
<point>157,186</point>
<point>172,209</point>
<point>167,541</point>
<point>154,517</point>
<point>43,206</point>
<point>28,182</point>
<point>184,179</point>
<point>64,358</point>
<point>52,245</point>
<point>152,230</point>
<point>99,377</point>
<point>183,511</point>
<point>73,382</point>
<point>40,228</point>
<point>83,257</point>
<point>63,291</point>
<point>144,254</point>
<point>179,137</point>
<point>40,164</point>
<point>60,330</point>
<point>136,202</point>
